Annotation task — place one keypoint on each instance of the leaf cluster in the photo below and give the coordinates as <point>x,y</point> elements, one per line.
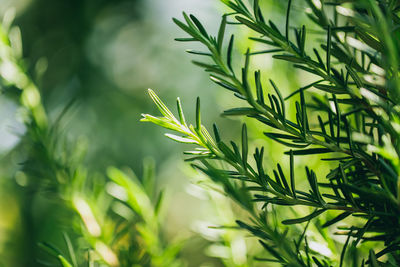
<point>349,118</point>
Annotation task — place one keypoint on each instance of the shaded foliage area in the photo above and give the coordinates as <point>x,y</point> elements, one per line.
<point>59,30</point>
<point>72,210</point>
<point>58,37</point>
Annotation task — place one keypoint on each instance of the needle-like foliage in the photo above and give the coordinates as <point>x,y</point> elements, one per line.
<point>349,115</point>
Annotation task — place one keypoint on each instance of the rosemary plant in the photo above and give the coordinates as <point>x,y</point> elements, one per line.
<point>349,116</point>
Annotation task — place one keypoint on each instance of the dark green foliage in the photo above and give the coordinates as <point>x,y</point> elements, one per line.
<point>351,119</point>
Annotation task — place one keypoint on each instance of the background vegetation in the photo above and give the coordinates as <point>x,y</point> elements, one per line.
<point>100,56</point>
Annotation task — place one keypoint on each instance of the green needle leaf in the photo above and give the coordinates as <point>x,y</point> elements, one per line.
<point>287,20</point>
<point>199,26</point>
<point>292,180</point>
<point>282,102</point>
<point>180,112</point>
<point>328,51</point>
<point>337,219</point>
<point>310,151</point>
<point>216,133</point>
<point>221,33</point>
<point>198,118</point>
<point>305,218</point>
<point>245,147</point>
<point>229,53</point>
<point>160,105</point>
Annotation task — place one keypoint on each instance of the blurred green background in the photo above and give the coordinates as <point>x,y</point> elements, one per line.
<point>101,56</point>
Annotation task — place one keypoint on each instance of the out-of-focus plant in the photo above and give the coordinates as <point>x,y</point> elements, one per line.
<point>118,222</point>
<point>349,116</point>
<point>115,220</point>
<point>226,243</point>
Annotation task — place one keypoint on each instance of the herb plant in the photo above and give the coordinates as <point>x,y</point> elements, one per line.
<point>348,116</point>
